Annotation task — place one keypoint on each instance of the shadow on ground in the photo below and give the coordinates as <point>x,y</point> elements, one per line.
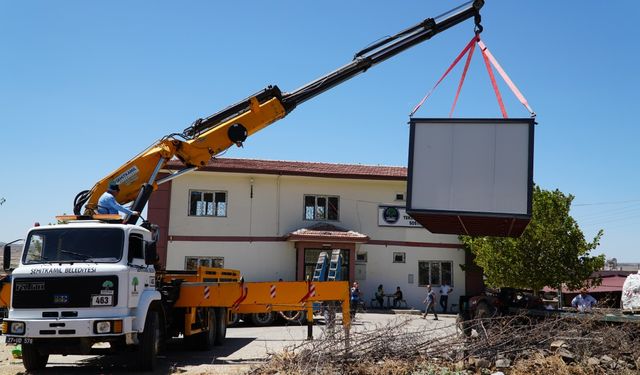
<point>175,356</point>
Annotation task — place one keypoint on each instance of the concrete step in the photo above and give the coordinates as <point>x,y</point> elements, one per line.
<point>406,311</point>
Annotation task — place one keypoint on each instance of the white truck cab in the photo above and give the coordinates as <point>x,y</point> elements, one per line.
<point>78,284</point>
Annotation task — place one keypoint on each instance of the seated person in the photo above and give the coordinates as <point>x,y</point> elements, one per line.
<point>397,297</point>
<point>380,296</point>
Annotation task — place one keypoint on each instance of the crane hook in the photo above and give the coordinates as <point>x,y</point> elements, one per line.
<point>477,18</point>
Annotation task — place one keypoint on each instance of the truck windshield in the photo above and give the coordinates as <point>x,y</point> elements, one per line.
<point>74,245</point>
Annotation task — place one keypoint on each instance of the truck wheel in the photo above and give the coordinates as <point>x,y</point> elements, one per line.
<point>221,325</point>
<point>150,342</point>
<point>463,325</point>
<point>482,320</point>
<point>234,319</point>
<point>295,316</point>
<point>483,311</point>
<point>262,319</point>
<point>205,340</point>
<point>32,358</point>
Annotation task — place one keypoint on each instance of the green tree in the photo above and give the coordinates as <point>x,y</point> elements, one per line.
<point>552,250</point>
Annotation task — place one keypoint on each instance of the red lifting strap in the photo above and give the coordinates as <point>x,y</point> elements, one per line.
<point>489,60</point>
<point>464,75</point>
<point>493,80</point>
<point>505,77</point>
<point>455,62</point>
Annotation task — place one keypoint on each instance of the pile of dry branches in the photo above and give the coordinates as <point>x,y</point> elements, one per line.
<point>518,344</point>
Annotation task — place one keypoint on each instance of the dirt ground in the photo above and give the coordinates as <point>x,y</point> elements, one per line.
<point>9,365</point>
<point>245,346</point>
<point>176,361</point>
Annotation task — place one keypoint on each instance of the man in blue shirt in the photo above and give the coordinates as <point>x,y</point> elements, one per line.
<point>430,301</point>
<point>583,301</point>
<point>107,203</point>
<point>354,299</point>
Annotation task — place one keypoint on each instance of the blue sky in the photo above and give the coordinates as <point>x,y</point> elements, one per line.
<point>84,86</point>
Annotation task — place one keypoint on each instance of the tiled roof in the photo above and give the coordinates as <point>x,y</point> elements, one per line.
<point>611,281</point>
<point>299,168</point>
<point>326,232</point>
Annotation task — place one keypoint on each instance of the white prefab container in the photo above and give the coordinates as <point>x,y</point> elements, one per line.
<point>630,299</point>
<point>471,176</point>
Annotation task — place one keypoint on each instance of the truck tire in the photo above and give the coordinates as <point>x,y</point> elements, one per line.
<point>150,342</point>
<point>463,325</point>
<point>32,359</point>
<point>483,315</point>
<point>205,340</point>
<point>296,317</point>
<point>221,325</point>
<point>234,319</point>
<point>483,311</point>
<point>262,319</point>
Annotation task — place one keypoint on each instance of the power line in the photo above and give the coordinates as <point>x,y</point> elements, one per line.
<point>605,214</point>
<point>604,203</point>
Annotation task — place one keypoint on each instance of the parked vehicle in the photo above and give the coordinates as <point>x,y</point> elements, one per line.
<point>475,310</point>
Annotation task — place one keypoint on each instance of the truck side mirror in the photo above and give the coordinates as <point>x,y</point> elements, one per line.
<point>6,261</point>
<point>151,254</point>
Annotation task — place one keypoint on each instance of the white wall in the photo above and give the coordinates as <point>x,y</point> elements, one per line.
<point>277,209</point>
<point>277,206</point>
<point>380,269</point>
<point>258,261</point>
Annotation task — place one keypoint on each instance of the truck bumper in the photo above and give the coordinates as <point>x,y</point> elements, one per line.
<point>94,328</point>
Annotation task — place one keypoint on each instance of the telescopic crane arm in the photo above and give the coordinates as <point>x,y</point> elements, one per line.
<point>210,136</point>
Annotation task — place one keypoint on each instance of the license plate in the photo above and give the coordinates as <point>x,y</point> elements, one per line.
<point>18,340</point>
<point>101,300</point>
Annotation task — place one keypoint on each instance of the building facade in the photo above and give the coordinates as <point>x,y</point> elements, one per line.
<point>271,219</point>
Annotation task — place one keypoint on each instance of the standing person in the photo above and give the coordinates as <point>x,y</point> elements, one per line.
<point>380,296</point>
<point>354,299</point>
<point>445,289</point>
<point>107,203</point>
<point>430,303</point>
<point>397,297</point>
<point>583,301</point>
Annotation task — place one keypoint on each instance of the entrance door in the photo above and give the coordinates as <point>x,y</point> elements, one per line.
<point>311,259</point>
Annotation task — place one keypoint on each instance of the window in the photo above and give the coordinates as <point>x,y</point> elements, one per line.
<point>435,272</point>
<point>71,245</point>
<point>34,248</point>
<point>399,257</point>
<point>136,246</point>
<point>361,257</point>
<point>192,263</point>
<point>208,203</point>
<point>320,207</point>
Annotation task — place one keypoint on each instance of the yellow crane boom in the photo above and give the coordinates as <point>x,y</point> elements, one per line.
<point>206,138</point>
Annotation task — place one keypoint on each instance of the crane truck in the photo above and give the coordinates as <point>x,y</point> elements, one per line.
<point>95,278</point>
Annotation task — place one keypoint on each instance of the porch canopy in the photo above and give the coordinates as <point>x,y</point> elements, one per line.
<point>324,232</point>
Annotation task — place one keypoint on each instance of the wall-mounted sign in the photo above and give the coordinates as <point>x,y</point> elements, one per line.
<point>394,216</point>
